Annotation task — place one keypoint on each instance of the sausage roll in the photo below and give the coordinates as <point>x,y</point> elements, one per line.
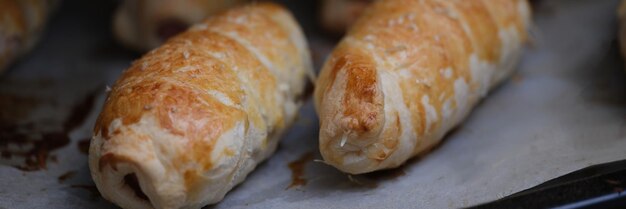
<point>189,120</point>
<point>21,24</point>
<point>145,24</point>
<point>409,71</point>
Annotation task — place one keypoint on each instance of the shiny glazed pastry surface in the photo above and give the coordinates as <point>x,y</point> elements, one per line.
<point>189,120</point>
<point>408,71</point>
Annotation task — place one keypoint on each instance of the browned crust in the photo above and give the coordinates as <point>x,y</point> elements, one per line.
<point>362,99</point>
<point>112,160</point>
<point>172,83</point>
<point>416,42</point>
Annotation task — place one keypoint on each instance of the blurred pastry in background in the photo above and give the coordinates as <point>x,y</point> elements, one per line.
<point>21,24</point>
<point>145,24</point>
<point>336,16</point>
<point>621,13</point>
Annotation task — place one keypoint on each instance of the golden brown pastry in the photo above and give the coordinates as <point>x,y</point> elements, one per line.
<point>21,24</point>
<point>145,24</point>
<point>190,119</point>
<point>408,72</point>
<point>338,15</point>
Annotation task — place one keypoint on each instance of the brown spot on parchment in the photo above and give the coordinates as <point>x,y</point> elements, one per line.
<point>297,170</point>
<point>66,176</point>
<point>34,144</point>
<point>83,146</point>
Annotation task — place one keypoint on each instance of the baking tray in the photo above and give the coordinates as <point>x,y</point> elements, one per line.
<point>563,110</point>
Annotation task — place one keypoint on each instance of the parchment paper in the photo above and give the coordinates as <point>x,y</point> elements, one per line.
<point>563,110</point>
